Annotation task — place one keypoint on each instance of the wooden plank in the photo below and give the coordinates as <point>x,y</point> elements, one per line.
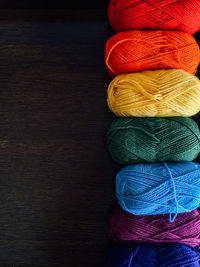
<point>46,4</point>
<point>56,177</point>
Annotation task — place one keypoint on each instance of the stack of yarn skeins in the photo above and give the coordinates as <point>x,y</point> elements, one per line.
<point>152,59</point>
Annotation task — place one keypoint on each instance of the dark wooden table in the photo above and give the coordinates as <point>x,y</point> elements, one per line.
<point>50,4</point>
<point>56,177</point>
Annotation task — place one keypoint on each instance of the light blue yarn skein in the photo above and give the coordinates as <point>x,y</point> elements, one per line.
<point>159,188</point>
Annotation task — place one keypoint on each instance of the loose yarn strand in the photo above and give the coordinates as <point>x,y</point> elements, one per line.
<point>133,255</point>
<point>174,193</point>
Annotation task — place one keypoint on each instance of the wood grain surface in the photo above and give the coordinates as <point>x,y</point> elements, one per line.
<point>56,177</point>
<point>50,4</point>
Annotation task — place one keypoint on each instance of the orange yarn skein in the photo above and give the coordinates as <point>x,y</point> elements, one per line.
<point>134,51</point>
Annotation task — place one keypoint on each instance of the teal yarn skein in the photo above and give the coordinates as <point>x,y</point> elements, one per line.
<point>139,140</point>
<point>159,188</point>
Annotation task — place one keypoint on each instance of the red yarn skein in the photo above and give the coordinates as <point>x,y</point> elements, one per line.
<point>181,15</point>
<point>126,227</point>
<point>133,51</point>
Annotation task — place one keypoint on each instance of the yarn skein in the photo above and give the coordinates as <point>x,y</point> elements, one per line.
<point>126,227</point>
<point>133,51</point>
<point>158,93</point>
<point>180,15</point>
<point>136,140</point>
<point>153,255</point>
<point>159,188</point>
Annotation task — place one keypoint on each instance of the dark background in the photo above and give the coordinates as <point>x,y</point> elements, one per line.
<point>56,177</point>
<point>91,4</point>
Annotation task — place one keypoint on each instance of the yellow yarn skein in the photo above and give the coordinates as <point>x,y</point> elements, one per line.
<point>158,93</point>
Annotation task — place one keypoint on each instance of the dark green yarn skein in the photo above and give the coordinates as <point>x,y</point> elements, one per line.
<point>133,139</point>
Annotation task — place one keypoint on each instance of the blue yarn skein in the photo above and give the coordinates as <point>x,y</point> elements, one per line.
<point>153,255</point>
<point>159,188</point>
